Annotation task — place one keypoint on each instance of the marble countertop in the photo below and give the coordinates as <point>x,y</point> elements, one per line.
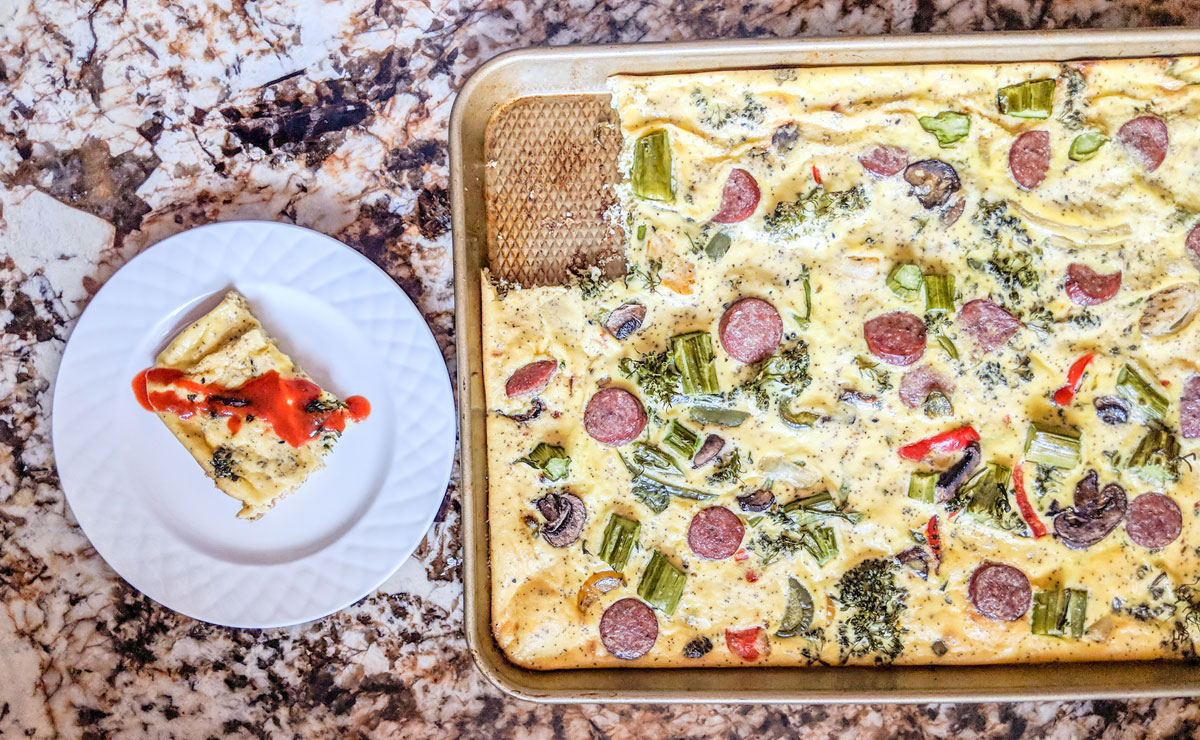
<point>122,123</point>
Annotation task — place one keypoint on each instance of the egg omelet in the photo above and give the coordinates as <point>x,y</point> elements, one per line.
<point>252,418</point>
<point>903,369</point>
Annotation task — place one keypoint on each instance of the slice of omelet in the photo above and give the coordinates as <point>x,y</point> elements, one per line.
<point>253,419</point>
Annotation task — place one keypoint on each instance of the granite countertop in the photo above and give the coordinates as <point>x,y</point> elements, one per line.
<point>123,123</point>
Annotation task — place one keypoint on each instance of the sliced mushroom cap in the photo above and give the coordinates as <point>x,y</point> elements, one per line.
<point>1112,410</point>
<point>712,446</point>
<point>625,320</point>
<point>536,407</point>
<point>916,559</point>
<point>565,516</point>
<point>785,137</point>
<point>933,181</point>
<point>1169,310</point>
<point>759,500</point>
<point>1096,513</point>
<point>951,480</point>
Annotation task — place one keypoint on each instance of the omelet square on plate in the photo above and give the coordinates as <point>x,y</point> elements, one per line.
<point>253,419</point>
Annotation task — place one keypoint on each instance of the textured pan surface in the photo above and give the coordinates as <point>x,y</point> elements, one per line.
<point>569,73</point>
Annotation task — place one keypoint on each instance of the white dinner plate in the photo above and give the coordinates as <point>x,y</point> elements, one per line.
<point>149,509</point>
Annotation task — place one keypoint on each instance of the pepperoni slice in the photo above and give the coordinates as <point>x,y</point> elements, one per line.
<point>1086,287</point>
<point>1192,245</point>
<point>531,378</point>
<point>614,416</point>
<point>1189,408</point>
<point>897,338</point>
<point>750,330</point>
<point>1029,158</point>
<point>988,324</point>
<point>1146,140</point>
<point>884,161</point>
<point>918,382</point>
<point>738,199</point>
<point>999,591</point>
<point>1154,521</point>
<point>715,533</point>
<point>628,629</point>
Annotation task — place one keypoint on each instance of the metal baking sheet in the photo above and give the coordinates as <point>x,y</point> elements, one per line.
<point>538,82</point>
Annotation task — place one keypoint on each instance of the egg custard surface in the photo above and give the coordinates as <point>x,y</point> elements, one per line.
<point>903,370</point>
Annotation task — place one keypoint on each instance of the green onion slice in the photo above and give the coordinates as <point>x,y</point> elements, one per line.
<point>1085,146</point>
<point>662,583</point>
<point>939,293</point>
<point>652,167</point>
<point>948,126</point>
<point>717,415</point>
<point>1058,447</point>
<point>1059,613</point>
<point>620,536</point>
<point>1030,99</point>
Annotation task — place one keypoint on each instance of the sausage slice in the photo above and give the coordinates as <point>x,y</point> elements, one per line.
<point>628,629</point>
<point>897,338</point>
<point>884,161</point>
<point>1189,408</point>
<point>614,416</point>
<point>738,199</point>
<point>917,383</point>
<point>1154,521</point>
<point>999,591</point>
<point>1029,158</point>
<point>715,533</point>
<point>1086,287</point>
<point>988,324</point>
<point>1146,140</point>
<point>531,378</point>
<point>750,330</point>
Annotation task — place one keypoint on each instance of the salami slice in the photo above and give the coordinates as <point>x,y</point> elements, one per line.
<point>1192,246</point>
<point>628,629</point>
<point>715,533</point>
<point>1086,287</point>
<point>531,378</point>
<point>738,199</point>
<point>918,382</point>
<point>897,338</point>
<point>1029,158</point>
<point>884,161</point>
<point>1154,521</point>
<point>1189,408</point>
<point>750,330</point>
<point>1146,140</point>
<point>988,324</point>
<point>999,591</point>
<point>614,416</point>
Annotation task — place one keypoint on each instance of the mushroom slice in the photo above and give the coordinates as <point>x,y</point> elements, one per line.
<point>933,182</point>
<point>1096,513</point>
<point>565,516</point>
<point>625,319</point>
<point>712,446</point>
<point>949,482</point>
<point>755,501</point>
<point>1169,310</point>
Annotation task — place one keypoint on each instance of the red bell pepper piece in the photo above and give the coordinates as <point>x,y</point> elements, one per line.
<point>955,439</point>
<point>1027,513</point>
<point>752,576</point>
<point>1063,396</point>
<point>816,174</point>
<point>934,538</point>
<point>747,644</point>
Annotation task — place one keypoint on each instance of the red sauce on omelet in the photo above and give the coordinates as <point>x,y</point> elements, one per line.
<point>283,403</point>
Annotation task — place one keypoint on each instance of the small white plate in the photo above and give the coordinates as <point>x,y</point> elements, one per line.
<point>146,505</point>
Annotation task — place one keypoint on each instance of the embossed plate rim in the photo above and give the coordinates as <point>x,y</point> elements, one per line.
<point>400,493</point>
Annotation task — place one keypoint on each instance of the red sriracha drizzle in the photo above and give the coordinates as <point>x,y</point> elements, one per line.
<point>1063,396</point>
<point>955,439</point>
<point>280,402</point>
<point>1027,513</point>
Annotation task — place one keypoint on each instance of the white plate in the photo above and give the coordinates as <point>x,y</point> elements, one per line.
<point>147,506</point>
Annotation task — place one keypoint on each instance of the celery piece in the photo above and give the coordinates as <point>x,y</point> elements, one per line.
<point>1143,393</point>
<point>652,167</point>
<point>552,460</point>
<point>682,441</point>
<point>948,126</point>
<point>662,583</point>
<point>1059,613</point>
<point>905,280</point>
<point>620,536</point>
<point>1085,146</point>
<point>939,293</point>
<point>1156,458</point>
<point>921,487</point>
<point>1029,99</point>
<point>1058,447</point>
<point>693,354</point>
